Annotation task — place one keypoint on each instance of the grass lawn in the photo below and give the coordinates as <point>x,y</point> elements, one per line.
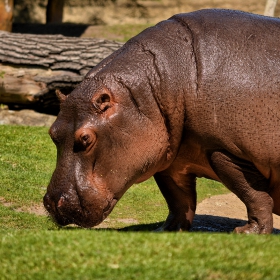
<point>121,32</point>
<point>91,254</point>
<point>32,247</point>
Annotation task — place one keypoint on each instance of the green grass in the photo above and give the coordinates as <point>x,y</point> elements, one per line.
<point>120,32</point>
<point>32,247</point>
<point>88,254</point>
<point>27,158</point>
<point>127,31</point>
<point>2,73</point>
<point>14,220</point>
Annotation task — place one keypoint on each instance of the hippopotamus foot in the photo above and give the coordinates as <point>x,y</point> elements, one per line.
<point>253,228</point>
<point>244,179</point>
<point>180,194</point>
<point>175,223</point>
<point>259,214</point>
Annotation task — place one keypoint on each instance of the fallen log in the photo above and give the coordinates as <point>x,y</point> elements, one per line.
<point>32,67</point>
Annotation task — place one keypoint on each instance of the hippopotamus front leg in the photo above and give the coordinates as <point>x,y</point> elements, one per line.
<point>244,179</point>
<point>179,192</point>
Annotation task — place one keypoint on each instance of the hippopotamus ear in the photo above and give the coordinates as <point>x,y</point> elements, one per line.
<point>102,100</point>
<point>60,95</point>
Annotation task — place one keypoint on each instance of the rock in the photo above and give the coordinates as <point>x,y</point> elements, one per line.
<point>25,117</point>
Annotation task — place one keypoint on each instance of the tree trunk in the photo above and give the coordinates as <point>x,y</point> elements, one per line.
<point>270,8</point>
<point>54,11</point>
<point>6,14</point>
<point>32,67</point>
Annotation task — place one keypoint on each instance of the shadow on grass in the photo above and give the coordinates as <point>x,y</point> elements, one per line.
<point>201,223</point>
<point>132,228</point>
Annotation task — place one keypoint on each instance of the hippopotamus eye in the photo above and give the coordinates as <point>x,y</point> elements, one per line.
<point>85,139</point>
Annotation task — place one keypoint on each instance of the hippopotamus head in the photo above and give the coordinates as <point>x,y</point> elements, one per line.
<point>109,134</point>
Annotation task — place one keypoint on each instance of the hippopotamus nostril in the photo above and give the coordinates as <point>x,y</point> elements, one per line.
<point>47,202</point>
<point>61,201</point>
<point>48,207</point>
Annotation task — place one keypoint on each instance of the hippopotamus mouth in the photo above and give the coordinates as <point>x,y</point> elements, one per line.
<point>66,211</point>
<point>109,208</point>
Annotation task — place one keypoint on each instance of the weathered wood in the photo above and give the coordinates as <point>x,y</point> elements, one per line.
<point>54,51</point>
<point>270,8</point>
<point>6,14</point>
<point>54,12</point>
<point>33,66</point>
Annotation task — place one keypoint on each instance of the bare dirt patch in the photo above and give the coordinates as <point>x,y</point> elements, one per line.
<point>4,202</point>
<point>128,11</point>
<point>37,209</point>
<point>222,213</point>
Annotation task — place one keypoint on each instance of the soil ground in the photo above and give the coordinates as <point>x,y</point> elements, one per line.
<point>111,12</point>
<point>222,213</point>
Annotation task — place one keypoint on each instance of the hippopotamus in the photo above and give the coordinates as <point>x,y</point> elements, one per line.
<point>196,95</point>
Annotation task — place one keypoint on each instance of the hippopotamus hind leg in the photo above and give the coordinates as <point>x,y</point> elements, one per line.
<point>243,179</point>
<point>180,194</point>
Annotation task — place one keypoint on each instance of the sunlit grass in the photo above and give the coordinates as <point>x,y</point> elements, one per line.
<point>32,247</point>
<point>27,161</point>
<point>88,254</point>
<point>120,32</point>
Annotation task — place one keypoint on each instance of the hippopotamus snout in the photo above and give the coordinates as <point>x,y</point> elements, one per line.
<point>87,208</point>
<point>59,208</point>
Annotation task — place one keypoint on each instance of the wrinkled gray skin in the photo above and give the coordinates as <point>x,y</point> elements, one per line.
<point>194,96</point>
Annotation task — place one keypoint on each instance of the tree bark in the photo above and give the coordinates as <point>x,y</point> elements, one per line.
<point>6,14</point>
<point>54,12</point>
<point>270,8</point>
<point>32,67</point>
